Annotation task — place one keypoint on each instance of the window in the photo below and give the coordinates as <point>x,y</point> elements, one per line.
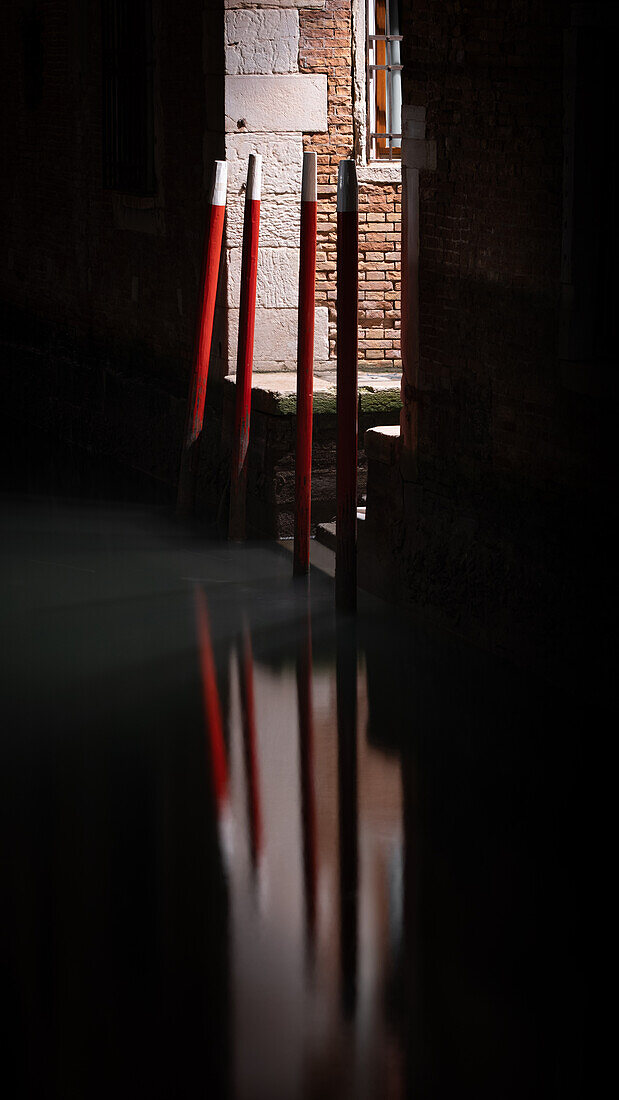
<point>384,80</point>
<point>128,128</point>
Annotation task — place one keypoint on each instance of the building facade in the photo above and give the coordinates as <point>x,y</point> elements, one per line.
<point>296,77</point>
<point>118,111</point>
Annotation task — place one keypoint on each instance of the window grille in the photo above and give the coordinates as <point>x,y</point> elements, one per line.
<point>384,80</point>
<point>128,127</point>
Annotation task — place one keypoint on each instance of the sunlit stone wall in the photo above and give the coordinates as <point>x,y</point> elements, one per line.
<point>269,106</point>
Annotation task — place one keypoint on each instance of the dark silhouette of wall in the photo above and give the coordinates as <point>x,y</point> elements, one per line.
<point>497,528</point>
<point>99,287</point>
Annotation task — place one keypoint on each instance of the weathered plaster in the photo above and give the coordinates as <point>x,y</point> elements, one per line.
<point>278,277</point>
<point>275,341</point>
<point>280,217</point>
<point>282,160</point>
<point>262,41</point>
<point>274,4</point>
<point>297,101</point>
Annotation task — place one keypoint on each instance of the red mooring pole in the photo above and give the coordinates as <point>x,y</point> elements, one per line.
<point>204,335</point>
<point>245,349</point>
<point>347,310</point>
<point>305,368</point>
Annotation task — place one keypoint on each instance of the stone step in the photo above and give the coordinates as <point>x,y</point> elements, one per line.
<point>275,393</point>
<point>271,455</point>
<point>326,532</point>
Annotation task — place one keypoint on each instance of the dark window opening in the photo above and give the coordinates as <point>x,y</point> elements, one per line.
<point>128,125</point>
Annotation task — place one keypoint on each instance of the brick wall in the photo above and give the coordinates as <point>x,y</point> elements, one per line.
<point>326,46</point>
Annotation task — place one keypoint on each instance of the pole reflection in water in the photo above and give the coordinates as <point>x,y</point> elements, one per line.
<point>248,716</point>
<point>306,774</point>
<point>409,807</point>
<point>326,903</point>
<point>411,962</point>
<point>213,720</point>
<point>346,676</point>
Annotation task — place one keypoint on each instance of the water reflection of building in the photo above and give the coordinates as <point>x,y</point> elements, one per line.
<point>426,965</point>
<point>282,959</point>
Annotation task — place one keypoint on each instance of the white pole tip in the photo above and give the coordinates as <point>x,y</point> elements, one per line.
<point>308,186</point>
<point>220,183</point>
<point>347,194</point>
<point>254,176</point>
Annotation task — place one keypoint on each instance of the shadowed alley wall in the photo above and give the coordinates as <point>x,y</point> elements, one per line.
<point>99,285</point>
<point>503,474</point>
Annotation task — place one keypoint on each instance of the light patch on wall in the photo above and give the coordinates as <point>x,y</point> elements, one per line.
<point>296,102</point>
<point>265,41</point>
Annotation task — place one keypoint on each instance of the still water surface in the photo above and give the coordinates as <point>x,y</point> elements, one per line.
<point>257,850</point>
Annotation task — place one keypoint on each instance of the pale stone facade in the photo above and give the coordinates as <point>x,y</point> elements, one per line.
<point>269,105</point>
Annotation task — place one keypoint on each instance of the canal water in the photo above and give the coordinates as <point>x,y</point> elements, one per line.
<point>254,849</point>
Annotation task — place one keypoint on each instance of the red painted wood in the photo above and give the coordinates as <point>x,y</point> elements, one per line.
<point>199,373</point>
<point>348,808</point>
<point>308,800</point>
<point>212,708</point>
<point>305,388</point>
<point>244,364</point>
<point>347,409</point>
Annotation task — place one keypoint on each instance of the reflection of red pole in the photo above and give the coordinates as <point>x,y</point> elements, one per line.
<point>308,804</point>
<point>305,367</point>
<point>346,681</point>
<point>246,680</point>
<point>412,879</point>
<point>347,310</point>
<point>245,350</point>
<point>212,709</point>
<point>199,375</point>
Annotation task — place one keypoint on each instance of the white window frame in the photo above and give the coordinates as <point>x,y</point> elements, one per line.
<point>375,171</point>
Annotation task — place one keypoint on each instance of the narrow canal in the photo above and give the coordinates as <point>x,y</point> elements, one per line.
<point>257,850</point>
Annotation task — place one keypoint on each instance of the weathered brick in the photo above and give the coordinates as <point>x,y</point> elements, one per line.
<point>325,42</point>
